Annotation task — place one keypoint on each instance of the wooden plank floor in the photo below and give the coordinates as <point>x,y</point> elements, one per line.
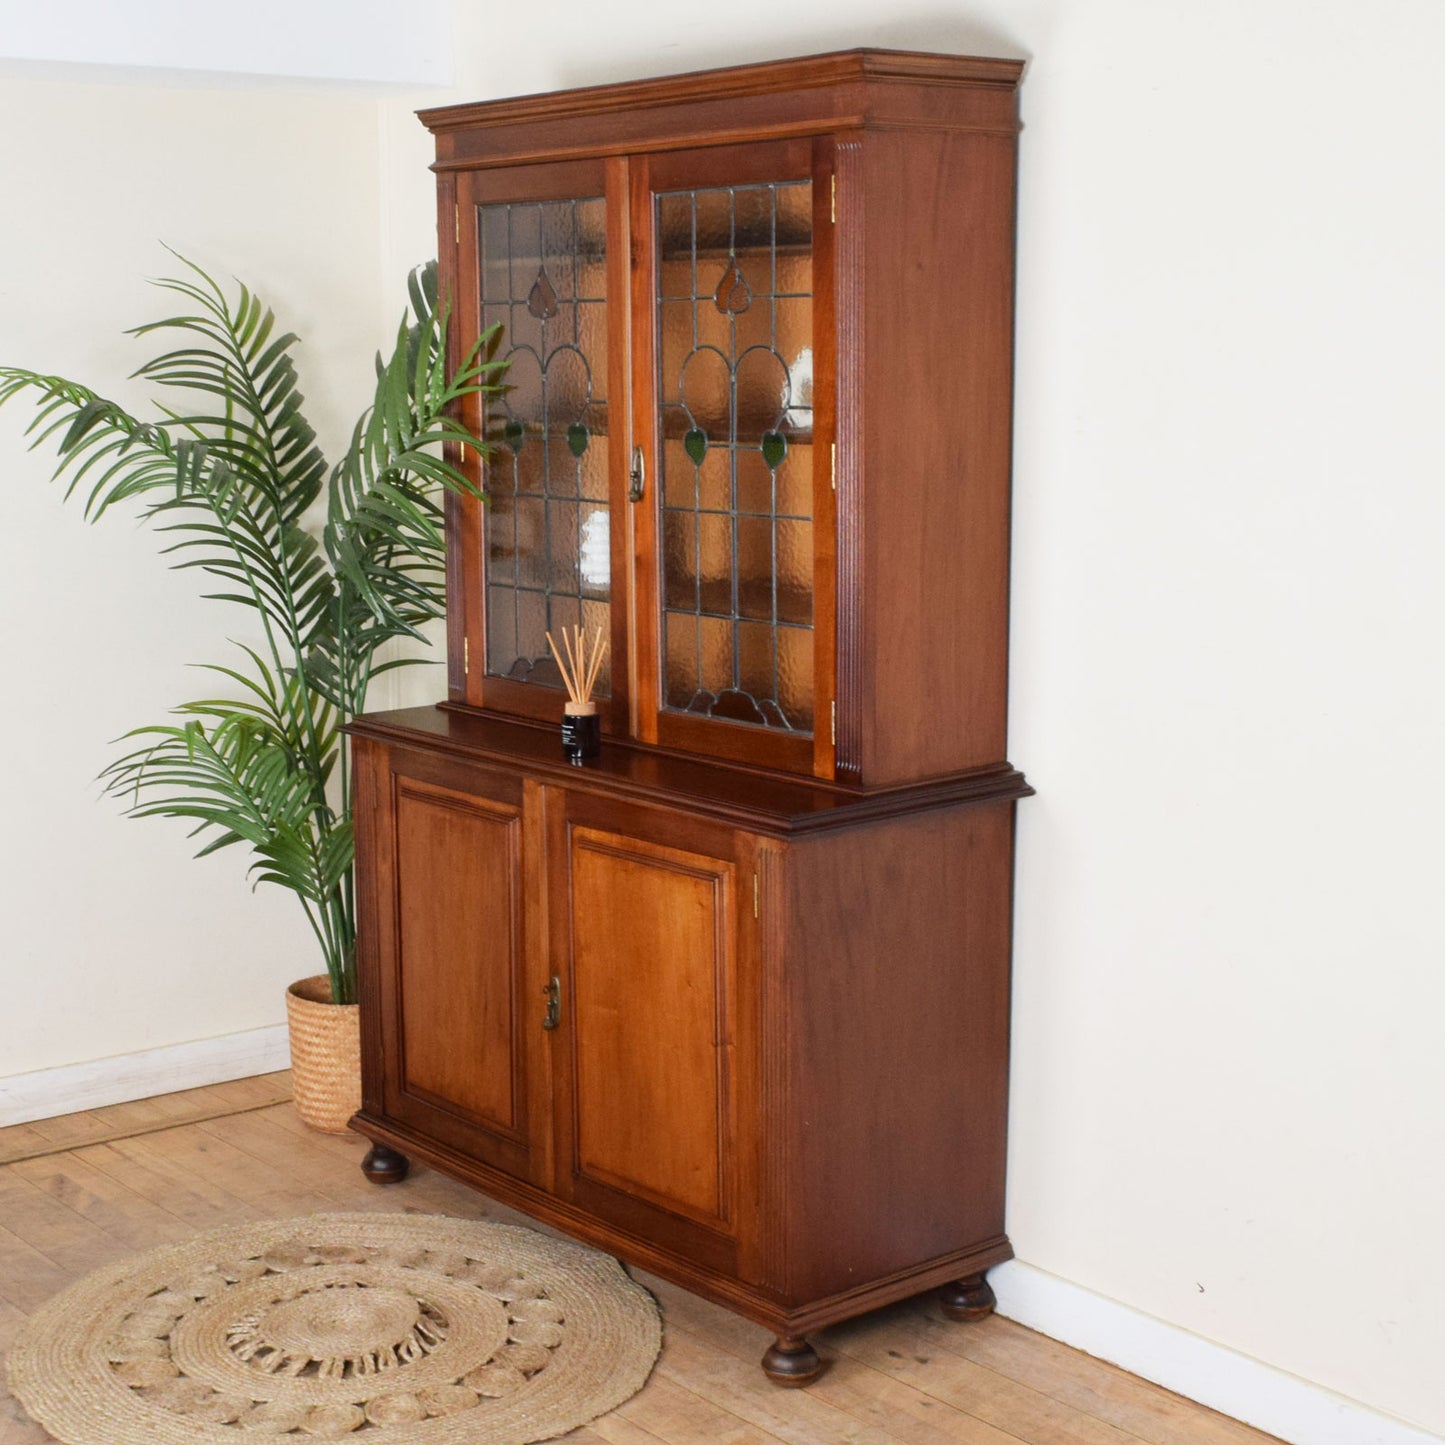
<point>81,1191</point>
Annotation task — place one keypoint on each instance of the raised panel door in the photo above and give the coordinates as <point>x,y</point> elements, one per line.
<point>456,996</point>
<point>654,968</point>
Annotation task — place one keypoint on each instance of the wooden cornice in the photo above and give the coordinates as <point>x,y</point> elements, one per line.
<point>734,83</point>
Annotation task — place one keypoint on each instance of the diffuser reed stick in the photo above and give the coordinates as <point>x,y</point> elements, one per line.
<point>582,664</point>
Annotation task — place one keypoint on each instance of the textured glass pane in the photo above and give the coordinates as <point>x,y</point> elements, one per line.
<point>531,629</point>
<point>593,467</point>
<point>795,481</point>
<point>531,465</point>
<point>755,567</point>
<point>675,329</point>
<point>795,676</point>
<point>794,275</point>
<point>795,572</point>
<point>679,553</point>
<point>762,393</point>
<point>734,358</point>
<point>592,339</point>
<point>753,218</point>
<point>543,277</point>
<point>714,221</point>
<point>794,336</point>
<point>679,475</point>
<point>680,645</point>
<point>559,247</point>
<point>530,542</point>
<point>500,550</point>
<point>795,216</point>
<point>715,655</point>
<point>594,559</point>
<point>564,543</point>
<point>569,385</point>
<point>674,225</point>
<point>501,627</point>
<point>563,470</point>
<point>706,391</point>
<point>675,277</point>
<point>755,659</point>
<point>715,563</point>
<point>755,482</point>
<point>715,481</point>
<point>522,381</point>
<point>496,315</point>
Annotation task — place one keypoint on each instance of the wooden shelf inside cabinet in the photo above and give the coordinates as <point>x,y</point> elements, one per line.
<point>756,434</point>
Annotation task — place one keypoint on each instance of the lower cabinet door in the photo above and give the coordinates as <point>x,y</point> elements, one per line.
<point>456,1000</point>
<point>659,1038</point>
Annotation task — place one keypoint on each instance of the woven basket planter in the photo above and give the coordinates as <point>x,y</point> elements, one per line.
<point>325,1055</point>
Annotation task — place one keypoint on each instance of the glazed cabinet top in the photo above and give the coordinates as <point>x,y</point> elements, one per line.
<point>755,420</point>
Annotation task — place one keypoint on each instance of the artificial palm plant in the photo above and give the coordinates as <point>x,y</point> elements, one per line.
<point>230,470</point>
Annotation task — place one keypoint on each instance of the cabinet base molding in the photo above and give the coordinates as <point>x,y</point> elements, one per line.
<point>787,1323</point>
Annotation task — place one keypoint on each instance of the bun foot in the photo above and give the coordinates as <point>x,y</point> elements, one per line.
<point>792,1362</point>
<point>385,1166</point>
<point>967,1299</point>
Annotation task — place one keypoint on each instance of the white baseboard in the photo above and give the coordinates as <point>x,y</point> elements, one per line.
<point>1247,1389</point>
<point>48,1092</point>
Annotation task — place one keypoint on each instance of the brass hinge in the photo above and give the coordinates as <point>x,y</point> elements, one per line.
<point>833,199</point>
<point>833,720</point>
<point>466,654</point>
<point>833,463</point>
<point>755,895</point>
<point>457,215</point>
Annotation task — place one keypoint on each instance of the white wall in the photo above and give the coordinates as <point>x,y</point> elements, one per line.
<point>1227,1095</point>
<point>115,941</point>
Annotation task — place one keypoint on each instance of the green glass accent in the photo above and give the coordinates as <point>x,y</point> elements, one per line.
<point>542,299</point>
<point>775,448</point>
<point>515,433</point>
<point>577,438</point>
<point>695,445</point>
<point>733,295</point>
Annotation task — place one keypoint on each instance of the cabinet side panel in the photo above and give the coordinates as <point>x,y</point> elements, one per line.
<point>898,949</point>
<point>373,863</point>
<point>937,396</point>
<point>460,951</point>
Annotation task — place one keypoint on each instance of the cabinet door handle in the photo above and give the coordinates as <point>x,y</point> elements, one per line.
<point>553,992</point>
<point>636,476</point>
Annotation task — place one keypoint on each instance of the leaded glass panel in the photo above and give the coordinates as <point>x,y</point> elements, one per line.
<point>735,385</point>
<point>548,555</point>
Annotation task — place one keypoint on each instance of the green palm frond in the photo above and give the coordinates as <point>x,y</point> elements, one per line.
<point>227,473</point>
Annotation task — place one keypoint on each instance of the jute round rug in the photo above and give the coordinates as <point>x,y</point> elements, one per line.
<point>405,1329</point>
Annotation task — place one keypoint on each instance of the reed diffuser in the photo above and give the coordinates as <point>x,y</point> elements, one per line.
<point>581,727</point>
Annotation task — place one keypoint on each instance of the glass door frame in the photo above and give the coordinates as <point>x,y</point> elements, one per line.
<point>762,162</point>
<point>467,583</point>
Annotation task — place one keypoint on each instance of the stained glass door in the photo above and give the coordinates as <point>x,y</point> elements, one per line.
<point>733,429</point>
<point>551,557</point>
